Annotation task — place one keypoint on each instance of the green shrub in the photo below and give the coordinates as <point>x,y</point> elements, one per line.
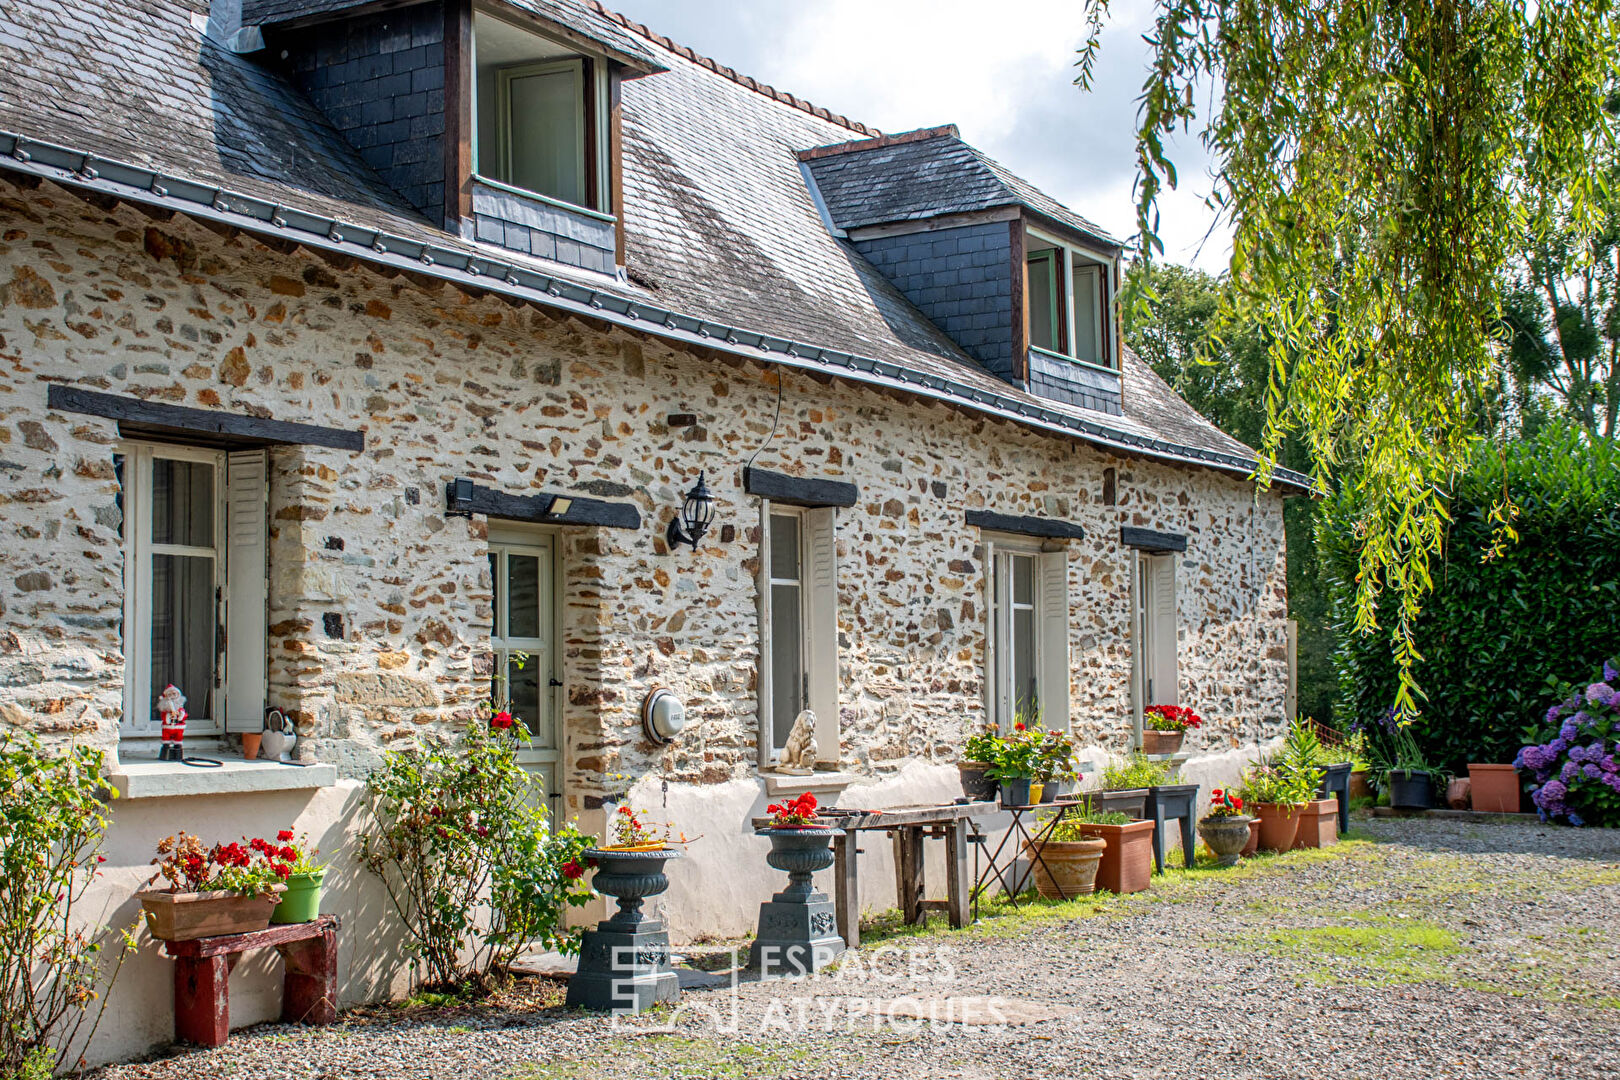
<point>53,974</point>
<point>1138,771</point>
<point>1508,617</point>
<point>469,860</point>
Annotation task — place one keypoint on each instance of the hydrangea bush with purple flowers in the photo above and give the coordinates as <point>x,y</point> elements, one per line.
<point>1574,755</point>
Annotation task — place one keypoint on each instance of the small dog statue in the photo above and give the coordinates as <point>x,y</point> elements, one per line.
<point>799,755</point>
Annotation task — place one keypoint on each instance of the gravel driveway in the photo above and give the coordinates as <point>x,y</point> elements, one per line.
<point>1419,948</point>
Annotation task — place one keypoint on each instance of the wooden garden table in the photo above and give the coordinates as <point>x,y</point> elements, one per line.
<point>909,826</point>
<point>202,972</point>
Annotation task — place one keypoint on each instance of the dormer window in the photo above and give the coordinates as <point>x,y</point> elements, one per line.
<point>1069,303</point>
<point>540,113</point>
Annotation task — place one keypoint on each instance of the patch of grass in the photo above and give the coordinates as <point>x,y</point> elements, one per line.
<point>676,1057</point>
<point>1383,950</point>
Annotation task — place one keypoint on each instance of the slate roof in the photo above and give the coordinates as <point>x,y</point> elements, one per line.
<point>884,181</point>
<point>726,247</point>
<point>583,19</point>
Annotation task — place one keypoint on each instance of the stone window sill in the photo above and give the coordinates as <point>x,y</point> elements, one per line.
<point>171,779</point>
<point>785,784</point>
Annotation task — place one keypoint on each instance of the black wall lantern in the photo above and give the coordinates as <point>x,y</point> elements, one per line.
<point>693,520</point>
<point>458,498</point>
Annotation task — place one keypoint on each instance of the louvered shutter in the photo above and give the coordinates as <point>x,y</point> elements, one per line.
<point>1054,636</point>
<point>992,636</point>
<point>1162,632</point>
<point>246,592</point>
<point>763,676</point>
<point>820,592</point>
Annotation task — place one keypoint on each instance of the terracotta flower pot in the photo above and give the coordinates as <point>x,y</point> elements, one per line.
<point>250,744</point>
<point>1279,825</point>
<point>1127,861</point>
<point>1066,868</point>
<point>1253,846</point>
<point>186,916</point>
<point>1318,824</point>
<point>1360,785</point>
<point>1494,788</point>
<point>1162,742</point>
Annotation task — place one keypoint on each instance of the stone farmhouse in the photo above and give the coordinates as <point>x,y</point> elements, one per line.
<point>349,350</point>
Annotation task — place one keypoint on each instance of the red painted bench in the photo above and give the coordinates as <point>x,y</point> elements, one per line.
<point>202,972</point>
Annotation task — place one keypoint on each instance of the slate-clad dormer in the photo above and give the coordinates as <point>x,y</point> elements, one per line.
<point>496,119</point>
<point>1020,282</point>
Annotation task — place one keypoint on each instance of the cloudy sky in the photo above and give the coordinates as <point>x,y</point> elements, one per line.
<point>1003,72</point>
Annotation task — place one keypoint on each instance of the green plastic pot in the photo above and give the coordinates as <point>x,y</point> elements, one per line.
<point>302,900</point>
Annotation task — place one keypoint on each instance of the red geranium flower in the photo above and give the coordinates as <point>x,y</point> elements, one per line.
<point>285,835</point>
<point>501,721</point>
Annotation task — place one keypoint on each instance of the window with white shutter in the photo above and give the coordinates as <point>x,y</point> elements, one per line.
<point>1027,662</point>
<point>1154,630</point>
<point>194,538</point>
<point>798,599</point>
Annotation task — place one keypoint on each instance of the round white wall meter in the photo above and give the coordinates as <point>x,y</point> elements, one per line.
<point>663,715</point>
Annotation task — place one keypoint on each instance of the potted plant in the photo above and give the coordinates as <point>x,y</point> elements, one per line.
<point>1318,820</point>
<point>1225,828</point>
<point>978,758</point>
<point>1361,768</point>
<point>1015,764</point>
<point>1410,779</point>
<point>797,926</point>
<point>631,868</point>
<point>225,889</point>
<point>1126,865</point>
<point>302,901</point>
<point>1055,765</point>
<point>1066,860</point>
<point>1276,794</point>
<point>1164,727</point>
<point>1125,785</point>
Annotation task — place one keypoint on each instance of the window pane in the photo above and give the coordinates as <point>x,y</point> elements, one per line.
<point>523,686</point>
<point>787,666</point>
<point>547,132</point>
<point>1044,317</point>
<point>182,503</point>
<point>1023,662</point>
<point>1086,282</point>
<point>785,547</point>
<point>1023,579</point>
<point>522,596</point>
<point>183,630</point>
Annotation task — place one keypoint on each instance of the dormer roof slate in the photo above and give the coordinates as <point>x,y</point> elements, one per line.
<point>899,178</point>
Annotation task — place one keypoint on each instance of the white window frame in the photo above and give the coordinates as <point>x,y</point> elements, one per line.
<point>139,549</point>
<point>1051,623</point>
<point>1107,273</point>
<point>818,627</point>
<point>544,545</point>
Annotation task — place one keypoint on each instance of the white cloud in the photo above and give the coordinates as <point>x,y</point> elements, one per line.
<point>1003,73</point>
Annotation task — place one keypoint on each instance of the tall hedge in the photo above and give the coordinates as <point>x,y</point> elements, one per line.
<point>1498,634</point>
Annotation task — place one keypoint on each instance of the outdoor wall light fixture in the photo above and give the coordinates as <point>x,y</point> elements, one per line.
<point>458,497</point>
<point>663,715</point>
<point>696,514</point>
<point>559,506</point>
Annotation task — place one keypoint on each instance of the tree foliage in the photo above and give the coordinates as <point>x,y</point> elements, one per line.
<point>1379,162</point>
<point>1225,378</point>
<point>1506,625</point>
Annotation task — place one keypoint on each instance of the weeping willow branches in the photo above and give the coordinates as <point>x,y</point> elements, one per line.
<point>1379,162</point>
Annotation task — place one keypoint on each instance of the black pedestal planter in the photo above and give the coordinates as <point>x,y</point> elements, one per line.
<point>1336,784</point>
<point>1131,802</point>
<point>1168,802</point>
<point>624,962</point>
<point>1410,790</point>
<point>798,927</point>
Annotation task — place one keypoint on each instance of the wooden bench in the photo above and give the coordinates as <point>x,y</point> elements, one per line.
<point>202,973</point>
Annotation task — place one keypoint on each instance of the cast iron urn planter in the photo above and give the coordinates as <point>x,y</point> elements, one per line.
<point>624,963</point>
<point>1226,836</point>
<point>798,927</point>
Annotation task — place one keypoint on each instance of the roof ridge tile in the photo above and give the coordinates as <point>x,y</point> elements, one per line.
<point>740,79</point>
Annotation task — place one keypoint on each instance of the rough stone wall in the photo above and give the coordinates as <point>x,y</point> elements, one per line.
<point>518,399</point>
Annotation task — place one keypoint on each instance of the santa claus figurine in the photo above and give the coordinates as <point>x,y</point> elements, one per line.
<point>171,705</point>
